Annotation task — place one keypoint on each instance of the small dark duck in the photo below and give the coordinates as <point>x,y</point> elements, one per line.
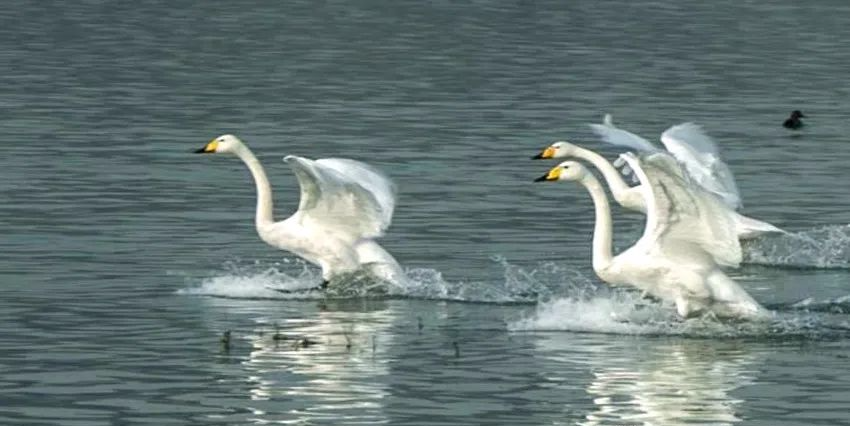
<point>794,122</point>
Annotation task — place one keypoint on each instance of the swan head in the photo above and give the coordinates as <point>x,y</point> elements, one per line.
<point>558,149</point>
<point>221,144</point>
<point>568,170</point>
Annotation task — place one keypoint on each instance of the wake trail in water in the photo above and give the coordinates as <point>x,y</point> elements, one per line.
<point>620,311</point>
<point>824,247</point>
<point>295,279</point>
<point>838,305</point>
<point>565,300</point>
<point>259,281</point>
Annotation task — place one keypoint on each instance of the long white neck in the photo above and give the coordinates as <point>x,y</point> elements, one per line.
<point>618,186</point>
<point>602,230</point>
<point>264,190</point>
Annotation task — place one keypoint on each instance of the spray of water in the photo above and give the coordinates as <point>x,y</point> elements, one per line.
<point>559,298</point>
<point>825,247</point>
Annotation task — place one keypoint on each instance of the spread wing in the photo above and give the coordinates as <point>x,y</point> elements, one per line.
<point>679,213</point>
<point>700,156</point>
<point>347,196</point>
<point>614,135</point>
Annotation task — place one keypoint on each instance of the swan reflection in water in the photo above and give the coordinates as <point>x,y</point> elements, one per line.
<point>649,381</point>
<point>339,373</point>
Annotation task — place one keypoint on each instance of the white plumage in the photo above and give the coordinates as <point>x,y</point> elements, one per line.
<point>633,199</point>
<point>668,261</point>
<point>691,146</point>
<point>344,206</point>
<point>348,196</point>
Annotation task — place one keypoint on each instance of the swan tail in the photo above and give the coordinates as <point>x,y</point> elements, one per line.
<point>748,228</point>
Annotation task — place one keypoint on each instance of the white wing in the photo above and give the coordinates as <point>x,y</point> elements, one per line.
<point>347,196</point>
<point>381,187</point>
<point>680,214</point>
<point>698,152</point>
<point>613,135</point>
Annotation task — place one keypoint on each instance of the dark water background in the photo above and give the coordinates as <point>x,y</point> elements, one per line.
<point>125,257</point>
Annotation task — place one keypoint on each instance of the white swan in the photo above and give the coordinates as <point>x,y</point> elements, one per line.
<point>664,262</point>
<point>632,198</point>
<point>344,205</point>
<point>691,146</point>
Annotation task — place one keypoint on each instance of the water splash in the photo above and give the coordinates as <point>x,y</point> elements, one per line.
<point>838,305</point>
<point>295,279</point>
<point>519,285</point>
<point>566,300</point>
<point>825,247</point>
<point>259,281</point>
<point>620,311</point>
<point>598,310</point>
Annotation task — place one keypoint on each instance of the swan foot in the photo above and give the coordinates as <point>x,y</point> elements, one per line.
<point>321,287</point>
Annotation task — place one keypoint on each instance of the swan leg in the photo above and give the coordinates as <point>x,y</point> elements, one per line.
<point>338,264</point>
<point>646,296</point>
<point>683,307</point>
<point>326,272</point>
<point>323,286</point>
<point>688,307</point>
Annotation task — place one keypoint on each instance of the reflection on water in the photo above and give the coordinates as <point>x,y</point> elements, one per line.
<point>663,382</point>
<point>679,383</point>
<point>105,214</point>
<point>328,367</point>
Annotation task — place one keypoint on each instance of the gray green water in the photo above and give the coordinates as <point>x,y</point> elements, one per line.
<point>124,257</point>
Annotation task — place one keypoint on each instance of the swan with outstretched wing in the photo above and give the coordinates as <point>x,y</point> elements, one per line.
<point>688,215</point>
<point>344,206</point>
<point>668,261</point>
<point>691,146</point>
<point>632,198</point>
<point>344,195</point>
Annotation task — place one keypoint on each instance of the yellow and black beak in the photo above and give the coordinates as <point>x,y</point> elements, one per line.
<point>546,153</point>
<point>208,148</point>
<point>553,174</point>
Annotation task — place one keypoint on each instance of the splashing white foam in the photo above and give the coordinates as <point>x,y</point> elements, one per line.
<point>618,311</point>
<point>566,300</point>
<point>264,281</point>
<point>518,286</point>
<point>838,305</point>
<point>258,282</point>
<point>825,247</point>
<point>614,312</point>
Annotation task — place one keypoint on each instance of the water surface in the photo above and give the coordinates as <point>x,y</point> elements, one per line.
<point>125,257</point>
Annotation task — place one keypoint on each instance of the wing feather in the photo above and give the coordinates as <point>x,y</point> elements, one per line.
<point>615,136</point>
<point>370,178</point>
<point>350,197</point>
<point>681,213</point>
<point>701,157</point>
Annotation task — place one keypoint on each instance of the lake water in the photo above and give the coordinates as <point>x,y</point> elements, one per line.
<point>125,257</point>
